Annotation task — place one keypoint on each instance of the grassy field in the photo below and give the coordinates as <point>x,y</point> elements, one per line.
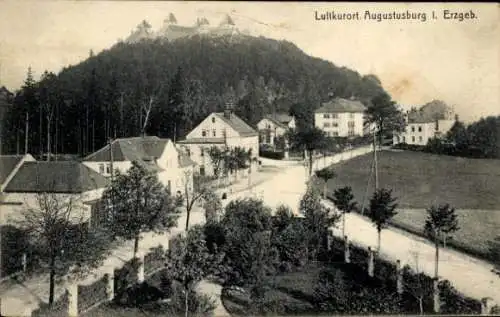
<point>419,180</point>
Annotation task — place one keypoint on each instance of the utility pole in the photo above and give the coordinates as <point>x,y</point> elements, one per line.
<point>375,163</point>
<point>26,134</point>
<point>110,141</point>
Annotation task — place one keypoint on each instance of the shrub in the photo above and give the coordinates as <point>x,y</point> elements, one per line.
<point>201,305</point>
<point>58,309</point>
<point>452,302</point>
<point>14,244</point>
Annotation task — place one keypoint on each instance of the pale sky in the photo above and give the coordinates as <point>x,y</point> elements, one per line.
<point>457,62</point>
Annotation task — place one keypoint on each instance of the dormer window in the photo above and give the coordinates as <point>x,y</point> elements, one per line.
<point>101,168</point>
<point>203,133</point>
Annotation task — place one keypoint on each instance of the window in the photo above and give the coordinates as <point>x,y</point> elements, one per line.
<point>404,139</point>
<point>326,116</point>
<point>108,168</point>
<point>188,152</point>
<point>350,124</point>
<point>413,138</point>
<point>202,170</point>
<point>203,133</point>
<point>420,139</point>
<point>419,129</point>
<point>214,133</point>
<point>335,115</point>
<point>351,115</point>
<point>101,168</point>
<point>335,133</point>
<point>202,152</point>
<point>326,125</point>
<point>412,129</point>
<point>335,124</point>
<point>213,120</point>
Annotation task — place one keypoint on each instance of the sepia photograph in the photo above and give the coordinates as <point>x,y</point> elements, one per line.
<point>232,159</point>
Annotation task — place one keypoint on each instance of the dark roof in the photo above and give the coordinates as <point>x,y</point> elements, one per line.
<point>130,149</point>
<point>202,141</point>
<point>341,105</point>
<point>55,177</point>
<point>276,122</point>
<point>240,126</point>
<point>7,164</point>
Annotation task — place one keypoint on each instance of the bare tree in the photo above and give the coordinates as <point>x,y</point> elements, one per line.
<point>418,285</point>
<point>60,235</point>
<point>146,108</point>
<point>192,193</point>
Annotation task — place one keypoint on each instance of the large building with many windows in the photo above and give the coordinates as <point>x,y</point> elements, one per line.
<point>340,117</point>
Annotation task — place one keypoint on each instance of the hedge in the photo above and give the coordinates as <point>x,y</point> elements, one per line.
<point>276,155</point>
<point>154,260</point>
<point>125,277</point>
<point>452,302</point>
<point>89,295</point>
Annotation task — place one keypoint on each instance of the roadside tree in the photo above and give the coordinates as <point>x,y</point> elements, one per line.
<point>441,222</point>
<point>382,209</point>
<point>137,202</point>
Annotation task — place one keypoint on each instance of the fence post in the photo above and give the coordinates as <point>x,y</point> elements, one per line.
<point>399,277</point>
<point>436,299</point>
<point>110,285</point>
<point>24,262</point>
<point>347,252</point>
<point>72,290</point>
<point>329,239</point>
<point>140,267</point>
<point>370,261</point>
<point>486,305</point>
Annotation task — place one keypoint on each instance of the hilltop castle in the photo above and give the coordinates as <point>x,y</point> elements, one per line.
<point>171,30</point>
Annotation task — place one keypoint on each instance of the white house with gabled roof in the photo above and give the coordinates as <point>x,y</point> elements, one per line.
<point>174,168</point>
<point>221,129</point>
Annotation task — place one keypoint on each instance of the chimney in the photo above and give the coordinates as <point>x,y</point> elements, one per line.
<point>330,95</point>
<point>228,110</point>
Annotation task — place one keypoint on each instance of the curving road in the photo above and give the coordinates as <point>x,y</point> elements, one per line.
<point>470,276</point>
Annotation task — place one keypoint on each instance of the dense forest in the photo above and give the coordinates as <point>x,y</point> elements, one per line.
<point>163,88</point>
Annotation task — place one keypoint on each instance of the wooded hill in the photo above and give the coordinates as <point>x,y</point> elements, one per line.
<point>180,82</point>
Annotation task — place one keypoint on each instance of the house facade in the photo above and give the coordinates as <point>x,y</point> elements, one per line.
<point>220,129</point>
<point>419,133</point>
<point>65,181</point>
<point>431,121</point>
<point>340,118</point>
<point>274,126</point>
<point>174,169</point>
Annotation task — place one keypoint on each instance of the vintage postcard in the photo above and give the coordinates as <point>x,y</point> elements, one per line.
<point>219,159</point>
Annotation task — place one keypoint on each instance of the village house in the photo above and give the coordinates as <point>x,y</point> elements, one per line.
<point>340,118</point>
<point>220,129</point>
<point>68,182</point>
<point>174,168</point>
<point>273,126</point>
<point>433,120</point>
